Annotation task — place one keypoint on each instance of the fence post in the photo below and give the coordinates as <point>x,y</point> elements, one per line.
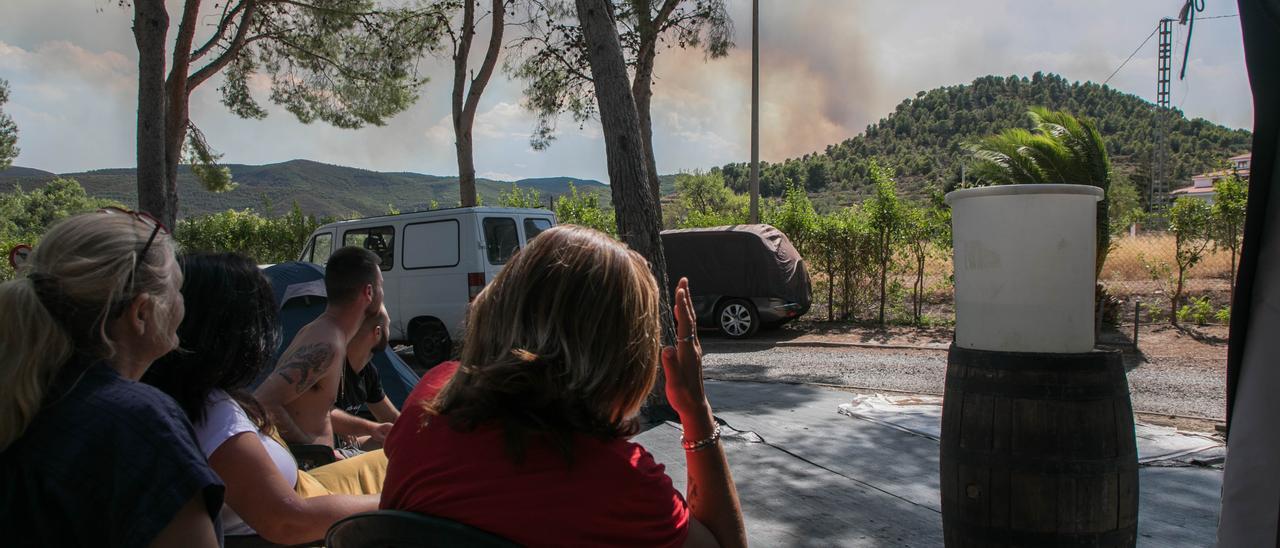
<point>1136,302</point>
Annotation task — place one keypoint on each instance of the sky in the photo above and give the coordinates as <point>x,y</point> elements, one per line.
<point>828,69</point>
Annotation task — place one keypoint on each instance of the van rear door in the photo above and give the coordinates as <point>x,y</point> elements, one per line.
<point>434,280</point>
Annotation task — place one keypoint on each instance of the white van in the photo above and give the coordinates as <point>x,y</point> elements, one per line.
<point>433,264</point>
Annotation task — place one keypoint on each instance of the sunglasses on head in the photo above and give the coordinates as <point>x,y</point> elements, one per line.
<point>146,219</point>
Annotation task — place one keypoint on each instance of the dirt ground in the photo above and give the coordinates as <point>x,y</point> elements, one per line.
<point>1205,343</point>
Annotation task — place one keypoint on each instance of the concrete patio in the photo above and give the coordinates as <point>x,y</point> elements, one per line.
<point>809,476</point>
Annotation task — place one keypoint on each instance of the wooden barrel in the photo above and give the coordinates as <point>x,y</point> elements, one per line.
<point>1038,450</point>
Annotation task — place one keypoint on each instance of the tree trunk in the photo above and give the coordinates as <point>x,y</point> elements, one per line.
<point>464,114</point>
<point>177,108</point>
<point>1177,296</point>
<point>1235,250</point>
<point>831,291</point>
<point>919,304</point>
<point>638,217</point>
<point>150,27</point>
<point>884,274</point>
<point>1177,290</point>
<point>642,89</point>
<point>1231,295</point>
<point>642,85</point>
<point>461,125</point>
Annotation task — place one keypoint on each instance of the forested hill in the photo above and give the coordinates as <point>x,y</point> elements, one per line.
<point>318,188</point>
<point>923,139</point>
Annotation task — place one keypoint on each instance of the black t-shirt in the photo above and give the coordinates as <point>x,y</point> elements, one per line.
<point>106,462</point>
<point>359,388</point>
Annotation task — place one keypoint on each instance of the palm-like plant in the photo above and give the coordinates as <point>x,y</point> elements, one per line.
<point>1061,148</point>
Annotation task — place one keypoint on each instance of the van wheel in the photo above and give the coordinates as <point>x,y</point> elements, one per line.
<point>737,319</point>
<point>431,342</point>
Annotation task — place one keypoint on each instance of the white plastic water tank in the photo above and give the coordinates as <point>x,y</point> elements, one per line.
<point>1024,266</point>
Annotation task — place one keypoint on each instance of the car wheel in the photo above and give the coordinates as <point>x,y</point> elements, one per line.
<point>737,319</point>
<point>431,343</point>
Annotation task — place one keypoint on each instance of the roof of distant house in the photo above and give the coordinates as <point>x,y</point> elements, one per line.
<point>1222,173</point>
<point>1245,156</point>
<point>1193,190</point>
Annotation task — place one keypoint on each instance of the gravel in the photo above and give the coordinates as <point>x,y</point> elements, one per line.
<point>1180,386</point>
<point>918,371</point>
<point>1192,387</point>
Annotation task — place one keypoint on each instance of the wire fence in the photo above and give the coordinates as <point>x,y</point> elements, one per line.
<point>1140,271</point>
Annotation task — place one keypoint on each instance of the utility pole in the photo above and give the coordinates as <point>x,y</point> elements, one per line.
<point>1158,199</point>
<point>755,111</point>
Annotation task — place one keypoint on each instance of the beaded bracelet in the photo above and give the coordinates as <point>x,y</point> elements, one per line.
<point>691,446</point>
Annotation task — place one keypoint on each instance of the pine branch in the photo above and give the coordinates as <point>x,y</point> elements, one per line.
<point>219,35</point>
<point>233,49</point>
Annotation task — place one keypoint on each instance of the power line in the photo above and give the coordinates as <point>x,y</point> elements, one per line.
<point>1148,39</point>
<point>1135,52</point>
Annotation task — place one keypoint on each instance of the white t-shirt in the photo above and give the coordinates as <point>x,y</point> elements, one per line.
<point>223,419</point>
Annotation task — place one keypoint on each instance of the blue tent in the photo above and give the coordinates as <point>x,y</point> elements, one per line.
<point>299,289</point>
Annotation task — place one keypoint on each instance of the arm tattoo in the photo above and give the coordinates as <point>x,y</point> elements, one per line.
<point>301,365</point>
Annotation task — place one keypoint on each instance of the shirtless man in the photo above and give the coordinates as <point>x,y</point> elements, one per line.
<point>361,387</point>
<point>300,392</point>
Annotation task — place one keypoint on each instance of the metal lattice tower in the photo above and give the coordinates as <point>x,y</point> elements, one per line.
<point>1163,61</point>
<point>1159,198</point>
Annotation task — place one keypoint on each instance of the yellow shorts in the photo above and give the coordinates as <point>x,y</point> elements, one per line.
<point>359,475</point>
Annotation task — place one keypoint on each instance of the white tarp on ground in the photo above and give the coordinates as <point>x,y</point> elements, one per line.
<point>922,416</point>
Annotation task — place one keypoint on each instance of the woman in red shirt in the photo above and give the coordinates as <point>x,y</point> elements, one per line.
<point>529,438</point>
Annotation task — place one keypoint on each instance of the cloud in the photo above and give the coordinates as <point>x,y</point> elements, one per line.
<point>828,70</point>
<point>74,107</point>
<point>497,176</point>
<point>503,120</point>
<point>441,132</point>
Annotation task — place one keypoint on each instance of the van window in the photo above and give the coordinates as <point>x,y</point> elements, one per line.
<point>320,249</point>
<point>379,239</point>
<point>534,227</point>
<point>431,245</point>
<point>500,238</point>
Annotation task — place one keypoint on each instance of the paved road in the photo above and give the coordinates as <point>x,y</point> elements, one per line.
<point>1173,385</point>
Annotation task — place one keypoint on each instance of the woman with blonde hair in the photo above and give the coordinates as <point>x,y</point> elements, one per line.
<point>529,439</point>
<point>88,455</point>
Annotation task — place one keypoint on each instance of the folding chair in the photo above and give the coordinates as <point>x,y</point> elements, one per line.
<point>400,529</point>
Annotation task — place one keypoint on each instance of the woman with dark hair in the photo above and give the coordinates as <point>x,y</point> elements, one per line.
<point>88,455</point>
<point>227,340</point>
<point>529,438</point>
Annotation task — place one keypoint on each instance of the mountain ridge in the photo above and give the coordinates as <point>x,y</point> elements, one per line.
<point>318,188</point>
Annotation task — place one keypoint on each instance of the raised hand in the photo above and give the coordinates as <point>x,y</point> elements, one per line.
<point>682,363</point>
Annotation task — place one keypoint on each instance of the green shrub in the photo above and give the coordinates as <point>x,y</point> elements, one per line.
<point>1198,311</point>
<point>265,239</point>
<point>1223,315</point>
<point>583,208</point>
<point>530,198</point>
<point>1155,314</point>
<point>26,215</point>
